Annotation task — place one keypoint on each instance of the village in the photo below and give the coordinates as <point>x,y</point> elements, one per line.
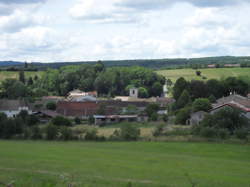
<point>85,105</point>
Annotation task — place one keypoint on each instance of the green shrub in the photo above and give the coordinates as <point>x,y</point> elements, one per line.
<point>241,134</point>
<point>36,133</point>
<point>51,106</point>
<point>61,121</point>
<point>91,134</point>
<point>129,132</point>
<point>66,133</point>
<point>208,132</point>
<point>51,132</point>
<point>77,120</point>
<point>223,133</point>
<point>158,131</point>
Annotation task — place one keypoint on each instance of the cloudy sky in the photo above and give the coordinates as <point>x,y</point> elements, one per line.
<point>73,30</point>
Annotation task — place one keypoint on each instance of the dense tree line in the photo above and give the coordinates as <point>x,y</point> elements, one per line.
<point>195,95</point>
<point>212,87</point>
<point>108,82</point>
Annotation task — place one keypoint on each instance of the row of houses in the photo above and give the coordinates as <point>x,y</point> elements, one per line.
<point>234,101</point>
<point>86,104</point>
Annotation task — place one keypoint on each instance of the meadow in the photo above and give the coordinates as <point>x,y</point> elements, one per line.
<point>27,163</point>
<point>216,73</point>
<point>14,74</point>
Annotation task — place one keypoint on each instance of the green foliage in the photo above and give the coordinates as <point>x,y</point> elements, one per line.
<point>36,133</point>
<point>212,99</point>
<point>61,121</point>
<point>51,132</point>
<point>129,132</point>
<point>22,77</point>
<point>201,104</point>
<point>131,109</point>
<point>208,132</point>
<point>91,134</point>
<point>77,120</point>
<point>183,115</point>
<point>51,105</point>
<point>227,118</point>
<point>180,85</point>
<point>91,120</point>
<point>241,134</point>
<point>66,133</point>
<point>108,82</point>
<point>154,116</point>
<point>152,108</point>
<point>165,118</point>
<point>14,89</point>
<point>30,81</point>
<point>143,92</point>
<point>157,89</point>
<point>183,100</point>
<point>101,110</point>
<point>159,130</point>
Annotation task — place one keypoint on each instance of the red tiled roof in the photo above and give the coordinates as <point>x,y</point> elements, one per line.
<point>233,105</point>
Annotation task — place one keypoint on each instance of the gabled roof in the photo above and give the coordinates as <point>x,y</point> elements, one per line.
<point>10,105</point>
<point>244,101</point>
<point>233,105</point>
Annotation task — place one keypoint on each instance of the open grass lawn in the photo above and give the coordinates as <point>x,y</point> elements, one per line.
<point>14,74</point>
<point>124,164</point>
<point>216,73</point>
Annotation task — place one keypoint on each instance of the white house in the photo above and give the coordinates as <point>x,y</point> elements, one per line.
<point>13,107</point>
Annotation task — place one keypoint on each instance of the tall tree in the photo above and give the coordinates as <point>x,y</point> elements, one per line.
<point>22,76</point>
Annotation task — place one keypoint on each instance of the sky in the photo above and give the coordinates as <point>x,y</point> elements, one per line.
<point>80,30</point>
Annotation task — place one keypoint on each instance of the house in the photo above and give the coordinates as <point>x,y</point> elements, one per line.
<point>13,107</point>
<point>197,117</point>
<point>245,110</point>
<point>109,119</point>
<point>211,66</point>
<point>231,65</point>
<point>83,98</point>
<point>46,115</point>
<point>77,109</point>
<point>163,102</point>
<point>244,101</point>
<point>78,93</point>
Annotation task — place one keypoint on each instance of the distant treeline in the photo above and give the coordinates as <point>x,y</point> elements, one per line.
<point>151,63</point>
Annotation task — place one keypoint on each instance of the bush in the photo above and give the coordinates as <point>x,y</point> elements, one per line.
<point>91,134</point>
<point>154,117</point>
<point>36,133</point>
<point>91,120</point>
<point>208,132</point>
<point>241,134</point>
<point>158,131</point>
<point>129,132</point>
<point>223,133</point>
<point>51,106</point>
<point>77,121</point>
<point>182,116</point>
<point>51,132</point>
<point>165,118</point>
<point>61,121</point>
<point>66,133</point>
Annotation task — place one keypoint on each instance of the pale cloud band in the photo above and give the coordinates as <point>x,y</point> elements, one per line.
<point>62,30</point>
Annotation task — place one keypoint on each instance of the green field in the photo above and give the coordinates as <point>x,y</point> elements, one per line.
<point>124,164</point>
<point>216,73</point>
<point>14,74</point>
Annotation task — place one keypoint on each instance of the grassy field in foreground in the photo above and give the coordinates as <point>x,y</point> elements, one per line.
<point>14,74</point>
<point>124,164</point>
<point>217,73</point>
